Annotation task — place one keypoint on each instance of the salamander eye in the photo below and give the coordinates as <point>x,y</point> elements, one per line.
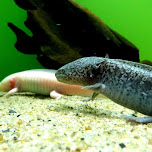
<point>96,70</point>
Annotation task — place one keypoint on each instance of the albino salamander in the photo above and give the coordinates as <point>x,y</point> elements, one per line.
<point>40,81</point>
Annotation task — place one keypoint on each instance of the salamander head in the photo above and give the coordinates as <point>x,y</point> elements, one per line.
<point>7,83</point>
<point>84,71</point>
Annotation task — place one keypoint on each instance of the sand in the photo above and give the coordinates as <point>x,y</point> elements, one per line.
<point>42,124</point>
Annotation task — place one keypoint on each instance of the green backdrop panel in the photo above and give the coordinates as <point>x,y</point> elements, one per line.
<point>132,19</point>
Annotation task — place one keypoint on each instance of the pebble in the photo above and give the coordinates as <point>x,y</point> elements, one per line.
<point>82,138</point>
<point>122,145</point>
<point>7,130</point>
<point>12,111</point>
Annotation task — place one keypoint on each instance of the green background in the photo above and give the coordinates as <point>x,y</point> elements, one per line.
<point>130,18</point>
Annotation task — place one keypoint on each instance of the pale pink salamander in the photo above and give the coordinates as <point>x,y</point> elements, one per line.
<point>40,81</point>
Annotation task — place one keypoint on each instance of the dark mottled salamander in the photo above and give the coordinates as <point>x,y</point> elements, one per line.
<point>126,83</point>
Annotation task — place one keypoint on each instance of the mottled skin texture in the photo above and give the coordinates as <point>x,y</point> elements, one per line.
<point>126,83</point>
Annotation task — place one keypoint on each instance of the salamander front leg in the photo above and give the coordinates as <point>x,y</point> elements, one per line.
<point>14,90</point>
<point>94,95</point>
<point>96,88</point>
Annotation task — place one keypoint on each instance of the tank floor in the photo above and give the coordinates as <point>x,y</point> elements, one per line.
<point>69,124</point>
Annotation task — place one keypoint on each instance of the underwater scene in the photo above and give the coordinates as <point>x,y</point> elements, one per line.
<point>76,75</point>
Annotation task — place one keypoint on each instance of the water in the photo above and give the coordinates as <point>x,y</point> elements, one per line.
<point>132,19</point>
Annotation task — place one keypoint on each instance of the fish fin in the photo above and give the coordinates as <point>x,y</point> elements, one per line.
<point>14,90</point>
<point>55,95</point>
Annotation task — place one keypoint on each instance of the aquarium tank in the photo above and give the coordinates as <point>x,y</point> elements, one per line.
<point>131,19</point>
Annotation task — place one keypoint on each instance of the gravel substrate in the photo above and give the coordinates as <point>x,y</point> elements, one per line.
<point>30,123</point>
